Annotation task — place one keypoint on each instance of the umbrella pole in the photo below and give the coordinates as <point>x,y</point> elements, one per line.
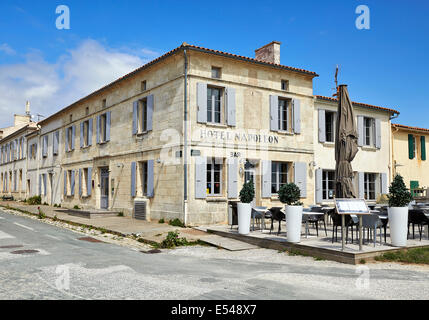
<point>342,230</point>
<point>360,232</point>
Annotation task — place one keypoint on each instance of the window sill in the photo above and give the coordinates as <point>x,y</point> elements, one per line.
<point>286,133</point>
<point>216,125</point>
<point>329,144</point>
<point>86,147</point>
<point>369,148</point>
<point>139,134</point>
<point>216,199</point>
<point>85,197</point>
<point>103,142</point>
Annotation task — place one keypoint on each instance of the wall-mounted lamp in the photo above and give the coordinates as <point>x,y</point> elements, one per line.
<point>158,160</point>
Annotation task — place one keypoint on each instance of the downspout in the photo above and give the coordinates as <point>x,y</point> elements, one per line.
<point>393,164</point>
<point>185,145</point>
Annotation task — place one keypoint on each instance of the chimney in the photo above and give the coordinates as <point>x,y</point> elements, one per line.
<point>27,108</point>
<point>269,53</point>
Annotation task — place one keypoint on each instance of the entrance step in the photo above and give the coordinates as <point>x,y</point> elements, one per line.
<point>227,243</point>
<point>89,214</point>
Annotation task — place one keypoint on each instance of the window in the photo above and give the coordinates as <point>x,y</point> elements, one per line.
<point>69,133</point>
<point>369,186</point>
<point>71,118</point>
<point>143,177</point>
<point>142,114</point>
<point>214,177</point>
<point>285,85</point>
<point>143,85</point>
<point>330,126</point>
<point>55,143</point>
<point>33,150</point>
<point>214,104</point>
<point>285,111</point>
<point>103,127</point>
<point>279,175</point>
<point>369,131</point>
<point>86,111</point>
<point>86,137</point>
<point>14,181</point>
<point>414,147</point>
<point>328,184</point>
<point>216,72</point>
<point>45,146</point>
<point>104,103</point>
<point>20,179</point>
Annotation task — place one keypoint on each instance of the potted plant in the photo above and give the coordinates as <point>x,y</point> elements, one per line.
<point>399,198</point>
<point>247,194</point>
<point>290,195</point>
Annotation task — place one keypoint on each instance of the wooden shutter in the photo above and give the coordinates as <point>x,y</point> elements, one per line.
<point>40,184</point>
<point>150,179</point>
<point>72,183</point>
<point>80,182</point>
<point>202,102</point>
<point>232,178</point>
<point>423,147</point>
<point>73,136</point>
<point>322,125</point>
<point>200,178</point>
<point>81,135</point>
<point>378,133</point>
<point>149,104</point>
<point>108,123</point>
<point>266,178</point>
<point>55,142</point>
<point>65,183</point>
<point>300,173</point>
<point>230,105</point>
<point>274,113</point>
<point>66,145</point>
<point>44,184</point>
<point>384,183</point>
<point>90,132</point>
<point>360,130</point>
<point>98,125</point>
<point>410,146</point>
<point>133,179</point>
<point>361,185</point>
<point>296,106</point>
<point>135,116</point>
<point>89,182</point>
<point>319,185</point>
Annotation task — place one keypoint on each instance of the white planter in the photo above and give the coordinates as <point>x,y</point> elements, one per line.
<point>244,214</point>
<point>398,223</point>
<point>293,223</point>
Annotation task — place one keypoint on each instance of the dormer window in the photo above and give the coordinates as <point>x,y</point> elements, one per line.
<point>216,72</point>
<point>143,85</point>
<point>285,85</point>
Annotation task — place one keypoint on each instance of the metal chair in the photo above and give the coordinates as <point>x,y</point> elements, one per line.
<point>372,222</point>
<point>418,217</point>
<point>276,215</point>
<point>336,222</point>
<point>258,213</point>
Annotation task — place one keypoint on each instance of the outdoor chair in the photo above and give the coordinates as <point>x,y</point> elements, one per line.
<point>259,213</point>
<point>371,222</point>
<point>417,217</point>
<point>336,222</point>
<point>315,219</point>
<point>276,215</point>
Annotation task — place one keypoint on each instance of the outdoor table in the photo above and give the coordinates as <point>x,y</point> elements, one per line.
<point>310,213</point>
<point>263,212</point>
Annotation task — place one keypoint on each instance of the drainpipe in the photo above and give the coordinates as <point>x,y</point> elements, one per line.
<point>185,137</point>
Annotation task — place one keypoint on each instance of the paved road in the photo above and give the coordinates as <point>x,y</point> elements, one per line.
<point>65,267</point>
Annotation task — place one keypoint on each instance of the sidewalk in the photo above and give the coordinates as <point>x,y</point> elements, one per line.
<point>150,231</point>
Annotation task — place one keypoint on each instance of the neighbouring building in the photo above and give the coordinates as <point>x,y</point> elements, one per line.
<point>13,157</point>
<point>409,156</point>
<point>371,166</point>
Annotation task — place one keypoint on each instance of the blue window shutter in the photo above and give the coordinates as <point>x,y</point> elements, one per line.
<point>80,182</point>
<point>296,105</point>
<point>73,136</point>
<point>98,128</point>
<point>319,186</point>
<point>230,104</point>
<point>361,185</point>
<point>44,184</point>
<point>135,116</point>
<point>133,179</point>
<point>360,130</point>
<point>322,126</point>
<point>72,183</point>
<point>378,133</point>
<point>274,115</point>
<point>150,179</point>
<point>65,183</point>
<point>266,178</point>
<point>300,173</point>
<point>40,184</point>
<point>66,145</point>
<point>108,122</point>
<point>202,102</point>
<point>232,178</point>
<point>200,178</point>
<point>384,183</point>
<point>81,135</point>
<point>150,101</point>
<point>90,132</point>
<point>55,143</point>
<point>89,182</point>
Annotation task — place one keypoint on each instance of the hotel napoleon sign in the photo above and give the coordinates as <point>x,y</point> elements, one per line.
<point>235,136</point>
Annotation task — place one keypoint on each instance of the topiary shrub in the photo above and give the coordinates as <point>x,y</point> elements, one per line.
<point>34,200</point>
<point>290,194</point>
<point>247,193</point>
<point>399,195</point>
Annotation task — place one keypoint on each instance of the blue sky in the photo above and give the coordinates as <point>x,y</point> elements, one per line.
<point>386,65</point>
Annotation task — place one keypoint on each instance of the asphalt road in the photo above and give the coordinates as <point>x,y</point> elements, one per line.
<point>65,267</point>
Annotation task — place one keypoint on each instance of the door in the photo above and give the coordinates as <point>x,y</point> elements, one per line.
<point>104,186</point>
<point>250,175</point>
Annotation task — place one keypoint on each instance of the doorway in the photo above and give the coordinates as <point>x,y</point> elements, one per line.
<point>250,168</point>
<point>104,188</point>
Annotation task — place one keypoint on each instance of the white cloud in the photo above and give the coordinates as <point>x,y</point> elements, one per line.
<point>5,48</point>
<point>52,86</point>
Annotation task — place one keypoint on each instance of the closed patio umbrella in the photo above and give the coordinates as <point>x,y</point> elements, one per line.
<point>346,145</point>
